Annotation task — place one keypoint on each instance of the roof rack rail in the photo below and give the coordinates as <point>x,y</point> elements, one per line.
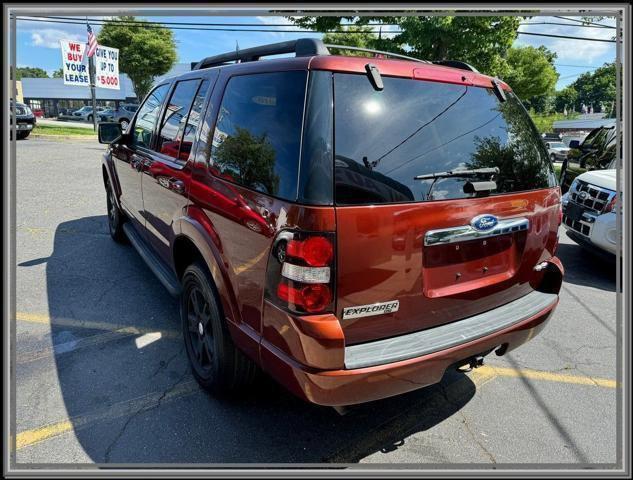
<point>301,47</point>
<point>456,64</point>
<point>369,50</point>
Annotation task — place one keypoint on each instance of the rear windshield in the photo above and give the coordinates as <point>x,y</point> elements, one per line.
<point>383,139</point>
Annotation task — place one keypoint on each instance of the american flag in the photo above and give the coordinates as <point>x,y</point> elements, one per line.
<point>92,42</point>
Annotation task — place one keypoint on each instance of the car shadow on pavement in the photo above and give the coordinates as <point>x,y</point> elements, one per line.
<point>130,396</point>
<point>586,269</point>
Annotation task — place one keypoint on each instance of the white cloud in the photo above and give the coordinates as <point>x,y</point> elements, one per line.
<point>288,25</point>
<point>267,20</point>
<point>566,48</point>
<point>50,37</point>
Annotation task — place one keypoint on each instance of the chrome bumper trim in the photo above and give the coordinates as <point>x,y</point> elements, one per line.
<point>449,335</point>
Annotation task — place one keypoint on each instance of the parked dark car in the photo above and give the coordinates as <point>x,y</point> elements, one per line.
<point>352,226</point>
<point>25,120</point>
<point>596,152</point>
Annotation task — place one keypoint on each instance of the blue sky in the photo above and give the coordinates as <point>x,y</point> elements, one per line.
<point>38,42</point>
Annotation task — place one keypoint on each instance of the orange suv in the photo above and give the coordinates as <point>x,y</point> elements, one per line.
<point>352,226</point>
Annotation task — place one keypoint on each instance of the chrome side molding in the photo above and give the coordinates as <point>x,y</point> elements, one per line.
<point>467,232</point>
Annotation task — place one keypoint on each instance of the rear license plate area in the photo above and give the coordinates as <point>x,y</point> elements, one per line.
<point>454,268</point>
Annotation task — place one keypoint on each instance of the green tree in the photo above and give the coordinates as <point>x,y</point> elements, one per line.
<point>144,53</point>
<point>30,72</point>
<point>520,159</point>
<point>59,73</point>
<point>352,39</point>
<point>531,73</point>
<point>598,87</point>
<point>479,41</point>
<point>567,98</point>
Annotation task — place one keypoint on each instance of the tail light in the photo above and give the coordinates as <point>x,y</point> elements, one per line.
<point>300,276</point>
<point>560,221</point>
<point>560,213</point>
<point>611,205</point>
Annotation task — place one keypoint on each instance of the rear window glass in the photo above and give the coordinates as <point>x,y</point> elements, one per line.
<point>257,138</point>
<point>383,139</point>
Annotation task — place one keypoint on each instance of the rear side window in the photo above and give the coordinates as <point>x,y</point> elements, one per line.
<point>175,118</point>
<point>257,137</point>
<point>383,139</point>
<point>148,117</point>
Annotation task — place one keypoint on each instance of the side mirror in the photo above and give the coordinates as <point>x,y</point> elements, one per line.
<point>109,132</point>
<point>574,144</point>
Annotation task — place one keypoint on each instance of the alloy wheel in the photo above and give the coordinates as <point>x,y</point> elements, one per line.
<point>200,330</point>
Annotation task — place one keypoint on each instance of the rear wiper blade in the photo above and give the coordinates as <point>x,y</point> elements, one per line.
<point>474,172</point>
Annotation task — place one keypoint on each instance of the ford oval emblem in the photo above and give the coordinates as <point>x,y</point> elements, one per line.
<point>484,222</point>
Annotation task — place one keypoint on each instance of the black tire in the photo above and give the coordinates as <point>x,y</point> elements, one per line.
<point>552,157</point>
<point>216,363</point>
<point>22,135</point>
<point>90,118</point>
<point>116,218</point>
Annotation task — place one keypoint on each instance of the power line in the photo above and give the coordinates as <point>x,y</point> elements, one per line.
<point>576,74</point>
<point>155,25</point>
<point>566,36</point>
<point>576,66</point>
<point>585,22</point>
<point>268,30</point>
<point>242,24</point>
<point>566,24</point>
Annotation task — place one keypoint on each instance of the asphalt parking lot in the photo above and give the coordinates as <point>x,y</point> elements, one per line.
<point>101,374</point>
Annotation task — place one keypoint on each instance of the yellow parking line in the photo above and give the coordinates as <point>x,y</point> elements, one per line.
<point>74,323</point>
<point>546,376</point>
<point>30,437</point>
<point>118,410</point>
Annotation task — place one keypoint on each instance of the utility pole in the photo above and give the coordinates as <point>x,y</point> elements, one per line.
<point>91,71</point>
<point>91,74</point>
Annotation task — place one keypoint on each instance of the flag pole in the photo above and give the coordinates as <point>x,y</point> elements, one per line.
<point>91,74</point>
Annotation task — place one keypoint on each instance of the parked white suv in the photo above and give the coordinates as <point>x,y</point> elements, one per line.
<point>557,151</point>
<point>589,212</point>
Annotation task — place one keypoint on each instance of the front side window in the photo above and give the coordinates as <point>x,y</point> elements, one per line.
<point>148,117</point>
<point>176,113</point>
<point>384,139</point>
<point>257,138</point>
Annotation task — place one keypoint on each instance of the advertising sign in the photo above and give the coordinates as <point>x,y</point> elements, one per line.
<point>107,67</point>
<point>74,63</point>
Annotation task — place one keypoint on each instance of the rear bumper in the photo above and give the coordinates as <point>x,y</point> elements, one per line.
<point>358,385</point>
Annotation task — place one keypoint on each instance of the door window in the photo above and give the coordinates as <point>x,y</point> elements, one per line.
<point>175,118</point>
<point>148,117</point>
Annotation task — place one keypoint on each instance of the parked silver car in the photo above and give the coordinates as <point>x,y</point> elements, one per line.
<point>85,113</point>
<point>557,151</point>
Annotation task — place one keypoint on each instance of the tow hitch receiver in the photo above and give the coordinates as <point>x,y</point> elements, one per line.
<point>474,362</point>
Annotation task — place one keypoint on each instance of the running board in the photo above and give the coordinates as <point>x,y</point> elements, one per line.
<point>156,265</point>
